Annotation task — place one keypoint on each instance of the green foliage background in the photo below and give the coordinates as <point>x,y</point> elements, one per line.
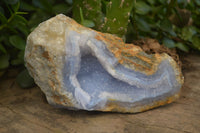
<point>174,23</point>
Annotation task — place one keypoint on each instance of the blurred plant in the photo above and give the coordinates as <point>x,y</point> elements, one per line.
<point>170,22</point>
<point>13,29</point>
<point>41,10</point>
<point>111,16</point>
<point>88,13</point>
<point>117,16</point>
<point>17,20</point>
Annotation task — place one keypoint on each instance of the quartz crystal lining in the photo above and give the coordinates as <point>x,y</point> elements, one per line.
<point>102,87</point>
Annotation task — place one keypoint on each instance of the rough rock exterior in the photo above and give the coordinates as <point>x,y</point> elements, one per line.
<point>79,68</point>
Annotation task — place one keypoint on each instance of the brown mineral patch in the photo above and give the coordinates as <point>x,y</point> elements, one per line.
<point>152,46</point>
<point>62,100</point>
<point>52,85</point>
<point>129,55</point>
<point>45,54</point>
<point>57,99</point>
<point>113,106</point>
<point>29,65</point>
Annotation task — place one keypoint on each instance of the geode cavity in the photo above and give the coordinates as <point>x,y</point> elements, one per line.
<point>79,68</point>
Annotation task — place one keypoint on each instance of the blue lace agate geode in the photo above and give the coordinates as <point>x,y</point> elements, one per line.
<point>79,68</point>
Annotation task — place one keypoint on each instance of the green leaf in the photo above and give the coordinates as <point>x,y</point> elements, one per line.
<point>3,19</point>
<point>4,39</point>
<point>182,2</point>
<point>61,8</point>
<point>4,61</point>
<point>16,21</point>
<point>2,49</point>
<point>37,3</point>
<point>21,55</point>
<point>196,42</point>
<point>19,18</point>
<point>157,10</point>
<point>162,1</point>
<point>26,6</point>
<point>182,47</point>
<point>1,10</point>
<point>84,22</point>
<point>151,1</point>
<point>17,42</point>
<point>143,25</point>
<point>187,33</point>
<point>16,62</point>
<point>37,17</point>
<point>12,29</point>
<point>23,28</point>
<point>21,13</point>
<point>81,15</point>
<point>142,8</point>
<point>15,7</point>
<point>69,1</point>
<point>11,2</point>
<point>88,23</point>
<point>166,26</point>
<point>169,43</point>
<point>197,2</point>
<point>10,10</point>
<point>25,80</point>
<point>43,4</point>
<point>19,60</point>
